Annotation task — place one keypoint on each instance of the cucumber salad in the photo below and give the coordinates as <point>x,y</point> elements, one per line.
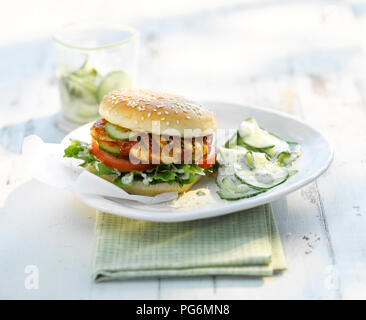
<point>254,161</point>
<point>82,90</point>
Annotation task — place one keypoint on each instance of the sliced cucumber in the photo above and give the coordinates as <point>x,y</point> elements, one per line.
<point>79,92</point>
<point>233,141</point>
<point>287,158</point>
<point>82,82</point>
<point>226,194</point>
<point>110,148</point>
<point>249,157</point>
<point>231,188</point>
<point>253,161</point>
<point>232,156</point>
<point>253,136</point>
<point>280,146</point>
<point>228,181</point>
<point>118,133</point>
<point>77,88</point>
<point>112,81</point>
<point>240,157</point>
<point>263,178</point>
<point>260,160</point>
<point>85,83</point>
<point>84,110</point>
<point>86,70</point>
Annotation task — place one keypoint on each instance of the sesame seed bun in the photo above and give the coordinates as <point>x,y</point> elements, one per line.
<point>136,109</point>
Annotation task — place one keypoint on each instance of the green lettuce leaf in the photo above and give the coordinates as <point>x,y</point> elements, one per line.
<point>169,173</point>
<point>80,150</point>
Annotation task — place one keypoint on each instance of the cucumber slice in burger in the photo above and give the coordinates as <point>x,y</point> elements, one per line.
<point>110,148</point>
<point>118,133</point>
<point>113,81</point>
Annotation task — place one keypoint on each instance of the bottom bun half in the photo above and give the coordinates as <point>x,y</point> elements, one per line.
<point>137,187</point>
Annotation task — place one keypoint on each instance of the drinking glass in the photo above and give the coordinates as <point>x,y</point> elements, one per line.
<point>92,59</point>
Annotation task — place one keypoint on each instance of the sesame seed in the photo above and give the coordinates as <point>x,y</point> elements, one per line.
<point>188,117</point>
<point>167,123</point>
<point>178,121</point>
<point>142,118</point>
<point>166,112</point>
<point>159,113</point>
<point>148,115</point>
<point>162,119</point>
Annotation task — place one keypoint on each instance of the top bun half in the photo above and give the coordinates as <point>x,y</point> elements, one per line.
<point>138,109</point>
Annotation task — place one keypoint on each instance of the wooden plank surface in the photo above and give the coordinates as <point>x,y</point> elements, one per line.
<point>301,57</point>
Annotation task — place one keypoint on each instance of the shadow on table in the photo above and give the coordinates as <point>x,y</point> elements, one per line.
<point>11,137</point>
<point>65,231</point>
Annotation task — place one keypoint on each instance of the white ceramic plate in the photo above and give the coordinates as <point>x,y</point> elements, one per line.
<point>316,158</point>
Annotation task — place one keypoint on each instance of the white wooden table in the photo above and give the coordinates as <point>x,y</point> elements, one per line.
<point>302,57</point>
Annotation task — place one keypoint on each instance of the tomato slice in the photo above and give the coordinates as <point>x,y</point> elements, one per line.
<point>119,163</point>
<point>208,161</point>
<point>124,164</point>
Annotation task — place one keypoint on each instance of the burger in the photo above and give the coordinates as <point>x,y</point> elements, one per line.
<point>149,142</point>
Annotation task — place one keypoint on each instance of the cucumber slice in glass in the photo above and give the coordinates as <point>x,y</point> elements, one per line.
<point>77,88</point>
<point>118,133</point>
<point>83,80</point>
<point>84,110</point>
<point>86,70</point>
<point>112,81</point>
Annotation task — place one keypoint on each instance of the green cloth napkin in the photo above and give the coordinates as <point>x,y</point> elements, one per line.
<point>242,243</point>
